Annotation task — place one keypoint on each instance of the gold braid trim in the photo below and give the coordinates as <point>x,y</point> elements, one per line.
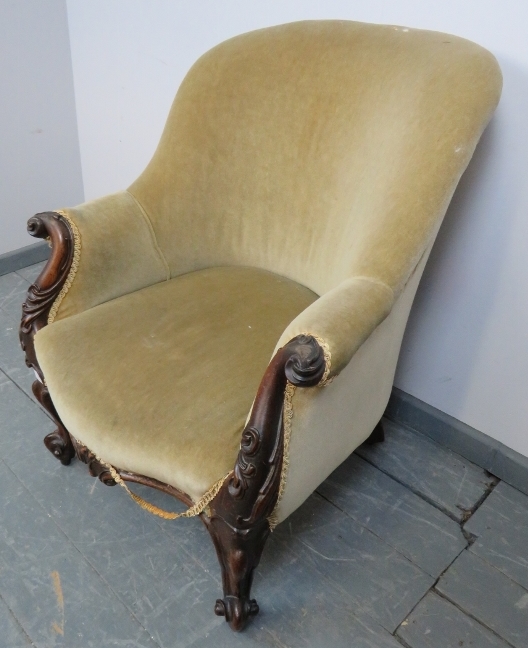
<point>73,269</point>
<point>328,360</point>
<point>287,416</point>
<point>196,509</point>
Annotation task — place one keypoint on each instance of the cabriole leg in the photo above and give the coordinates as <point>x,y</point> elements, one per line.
<point>239,552</point>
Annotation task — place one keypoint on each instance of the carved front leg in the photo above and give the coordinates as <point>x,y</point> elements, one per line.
<point>239,551</point>
<point>239,515</point>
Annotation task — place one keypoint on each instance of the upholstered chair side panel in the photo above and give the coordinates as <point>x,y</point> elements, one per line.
<point>318,150</point>
<point>119,253</point>
<point>330,422</point>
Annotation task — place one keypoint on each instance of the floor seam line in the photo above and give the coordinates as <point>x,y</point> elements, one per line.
<point>39,406</point>
<point>472,616</point>
<point>492,566</point>
<point>482,499</point>
<point>15,618</point>
<point>380,538</point>
<point>416,492</point>
<point>29,283</point>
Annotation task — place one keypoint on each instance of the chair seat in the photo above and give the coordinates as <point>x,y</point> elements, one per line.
<point>160,381</point>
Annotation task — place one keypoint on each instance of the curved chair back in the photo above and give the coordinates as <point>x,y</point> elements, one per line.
<point>318,150</point>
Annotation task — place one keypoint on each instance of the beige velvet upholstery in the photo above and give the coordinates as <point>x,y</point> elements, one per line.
<point>160,381</point>
<point>317,150</point>
<point>331,423</point>
<point>324,152</point>
<point>119,253</point>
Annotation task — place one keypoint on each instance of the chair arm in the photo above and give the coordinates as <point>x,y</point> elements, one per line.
<point>342,319</point>
<point>118,252</point>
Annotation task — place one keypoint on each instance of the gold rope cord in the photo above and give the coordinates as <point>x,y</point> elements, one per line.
<point>73,269</point>
<point>287,416</point>
<point>197,508</point>
<point>327,357</point>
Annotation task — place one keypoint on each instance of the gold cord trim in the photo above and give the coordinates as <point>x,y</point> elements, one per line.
<point>328,360</point>
<point>195,509</point>
<point>73,269</point>
<point>287,416</point>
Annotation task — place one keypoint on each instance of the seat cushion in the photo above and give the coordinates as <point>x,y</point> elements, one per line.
<point>160,381</point>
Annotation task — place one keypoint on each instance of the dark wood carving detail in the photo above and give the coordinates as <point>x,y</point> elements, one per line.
<point>44,291</point>
<point>35,310</point>
<point>57,442</point>
<point>95,467</point>
<point>244,468</point>
<point>239,514</point>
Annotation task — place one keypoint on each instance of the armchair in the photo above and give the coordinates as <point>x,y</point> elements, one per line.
<point>287,213</point>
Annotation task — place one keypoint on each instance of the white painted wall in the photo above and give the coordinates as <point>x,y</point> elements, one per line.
<point>40,165</point>
<point>466,349</point>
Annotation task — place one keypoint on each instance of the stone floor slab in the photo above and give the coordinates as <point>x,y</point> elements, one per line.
<point>377,580</point>
<point>57,598</point>
<point>23,423</point>
<point>437,623</point>
<point>418,530</point>
<point>12,361</point>
<point>31,272</point>
<point>489,596</point>
<point>501,527</point>
<point>13,289</point>
<point>301,609</point>
<point>442,477</point>
<point>11,633</point>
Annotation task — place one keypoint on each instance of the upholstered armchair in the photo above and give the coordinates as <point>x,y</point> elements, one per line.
<point>227,329</point>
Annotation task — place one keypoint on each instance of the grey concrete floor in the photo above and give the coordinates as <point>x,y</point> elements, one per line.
<point>405,544</point>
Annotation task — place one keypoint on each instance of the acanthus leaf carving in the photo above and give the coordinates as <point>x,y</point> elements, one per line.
<point>44,291</point>
<point>95,467</point>
<point>244,468</point>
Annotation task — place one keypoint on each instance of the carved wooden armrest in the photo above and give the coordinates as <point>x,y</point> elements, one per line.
<point>239,514</point>
<point>46,288</point>
<point>41,296</point>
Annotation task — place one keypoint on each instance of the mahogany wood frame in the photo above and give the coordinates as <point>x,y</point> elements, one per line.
<point>237,518</point>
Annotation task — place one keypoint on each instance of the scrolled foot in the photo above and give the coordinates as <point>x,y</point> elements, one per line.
<point>59,442</point>
<point>60,448</point>
<point>236,611</point>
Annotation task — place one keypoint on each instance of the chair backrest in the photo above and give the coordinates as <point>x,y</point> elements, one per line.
<point>318,150</point>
